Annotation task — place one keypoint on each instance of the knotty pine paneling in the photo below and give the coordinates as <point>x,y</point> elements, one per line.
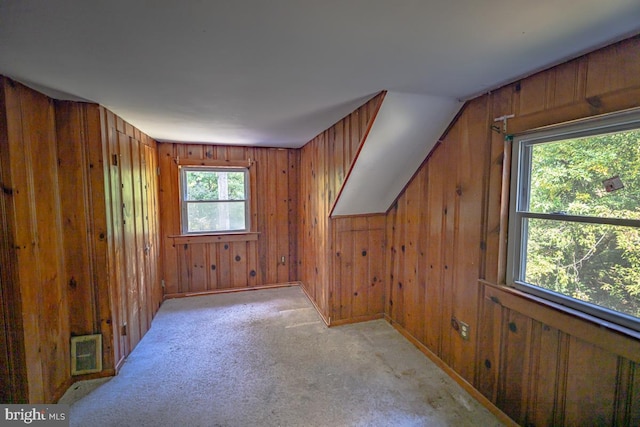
<point>543,367</point>
<point>435,243</point>
<point>200,264</point>
<point>538,365</point>
<point>13,374</point>
<point>81,172</point>
<point>58,275</point>
<point>358,285</point>
<point>132,230</point>
<point>32,211</point>
<point>324,163</point>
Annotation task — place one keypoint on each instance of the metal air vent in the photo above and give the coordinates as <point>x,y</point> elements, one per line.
<point>86,354</point>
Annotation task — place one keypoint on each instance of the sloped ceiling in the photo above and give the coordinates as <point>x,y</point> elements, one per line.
<point>276,73</point>
<point>398,141</point>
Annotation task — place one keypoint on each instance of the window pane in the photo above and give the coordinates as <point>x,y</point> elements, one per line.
<point>214,185</point>
<point>596,263</point>
<point>235,186</point>
<point>567,176</point>
<point>201,185</point>
<point>218,216</point>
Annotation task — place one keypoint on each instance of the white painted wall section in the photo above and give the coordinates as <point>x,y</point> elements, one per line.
<point>404,132</point>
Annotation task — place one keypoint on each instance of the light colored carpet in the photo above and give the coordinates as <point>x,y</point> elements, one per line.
<point>264,358</point>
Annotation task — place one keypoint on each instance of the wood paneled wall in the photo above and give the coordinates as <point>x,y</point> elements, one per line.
<point>324,163</point>
<point>448,229</point>
<point>81,174</point>
<point>12,352</point>
<point>132,230</point>
<point>358,276</point>
<point>37,291</point>
<point>194,264</point>
<point>58,246</point>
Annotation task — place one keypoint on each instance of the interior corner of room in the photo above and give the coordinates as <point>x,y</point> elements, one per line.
<point>93,243</point>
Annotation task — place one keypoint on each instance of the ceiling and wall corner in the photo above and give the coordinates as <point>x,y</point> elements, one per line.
<point>276,74</point>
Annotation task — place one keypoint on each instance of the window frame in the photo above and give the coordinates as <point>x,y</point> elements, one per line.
<point>182,173</point>
<point>519,200</point>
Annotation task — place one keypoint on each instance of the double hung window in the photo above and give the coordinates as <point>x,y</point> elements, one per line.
<point>214,200</point>
<point>574,224</point>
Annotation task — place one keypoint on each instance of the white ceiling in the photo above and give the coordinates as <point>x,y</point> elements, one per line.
<point>278,72</point>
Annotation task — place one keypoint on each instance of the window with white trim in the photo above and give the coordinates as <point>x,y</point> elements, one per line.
<point>574,224</point>
<point>214,200</point>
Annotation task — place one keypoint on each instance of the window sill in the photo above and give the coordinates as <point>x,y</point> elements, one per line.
<point>609,336</point>
<point>185,239</point>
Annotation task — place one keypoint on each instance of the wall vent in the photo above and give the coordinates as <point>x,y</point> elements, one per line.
<point>86,354</point>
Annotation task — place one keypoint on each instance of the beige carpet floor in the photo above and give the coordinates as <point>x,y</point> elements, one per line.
<point>264,358</point>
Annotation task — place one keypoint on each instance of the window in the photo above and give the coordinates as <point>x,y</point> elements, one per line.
<point>214,200</point>
<point>574,230</point>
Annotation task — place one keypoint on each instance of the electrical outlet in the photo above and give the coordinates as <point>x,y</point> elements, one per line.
<point>464,330</point>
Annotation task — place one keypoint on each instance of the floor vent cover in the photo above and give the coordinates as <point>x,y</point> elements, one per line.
<point>86,354</point>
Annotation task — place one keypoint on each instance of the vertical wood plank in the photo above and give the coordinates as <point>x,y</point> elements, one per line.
<point>116,238</point>
<point>565,87</point>
<point>37,223</point>
<point>632,403</point>
<point>544,393</point>
<point>604,77</point>
<point>212,267</point>
<point>170,218</point>
<point>513,369</point>
<point>13,368</point>
<point>252,264</point>
<point>129,242</point>
<point>397,293</point>
<point>449,244</point>
<point>239,274</point>
<point>411,287</point>
<point>533,94</point>
<point>344,269</point>
<point>422,244</point>
<point>73,180</point>
<point>490,335</point>
<point>434,289</point>
<point>140,299</point>
<point>361,255</point>
<point>21,179</point>
<point>224,265</point>
<point>376,265</point>
<point>293,194</point>
<point>590,391</point>
<point>282,217</point>
<point>197,266</point>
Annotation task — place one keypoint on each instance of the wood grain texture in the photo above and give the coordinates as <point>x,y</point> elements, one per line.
<point>234,260</point>
<point>324,163</point>
<point>132,224</point>
<point>57,218</point>
<point>359,275</point>
<point>540,366</point>
<point>35,220</point>
<point>81,172</point>
<point>13,366</point>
